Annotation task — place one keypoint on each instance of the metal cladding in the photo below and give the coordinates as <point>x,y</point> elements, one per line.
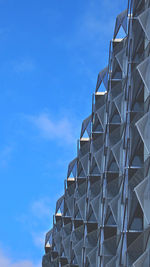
<point>103,218</point>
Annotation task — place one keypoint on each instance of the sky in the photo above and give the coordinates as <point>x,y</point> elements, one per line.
<point>50,55</point>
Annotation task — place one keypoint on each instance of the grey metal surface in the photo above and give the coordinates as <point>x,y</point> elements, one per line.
<point>103,218</point>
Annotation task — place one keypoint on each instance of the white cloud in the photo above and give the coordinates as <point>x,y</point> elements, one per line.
<point>24,65</point>
<point>38,219</point>
<point>6,261</point>
<point>99,18</point>
<point>39,239</point>
<point>3,33</point>
<point>41,208</point>
<point>59,130</point>
<point>5,155</point>
<point>38,214</point>
<point>94,26</point>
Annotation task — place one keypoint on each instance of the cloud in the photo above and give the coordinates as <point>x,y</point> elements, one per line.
<point>41,211</point>
<point>59,130</point>
<point>3,33</point>
<point>5,156</point>
<point>41,208</point>
<point>38,212</point>
<point>99,18</point>
<point>6,261</point>
<point>37,220</point>
<point>94,27</point>
<point>39,239</point>
<point>24,65</point>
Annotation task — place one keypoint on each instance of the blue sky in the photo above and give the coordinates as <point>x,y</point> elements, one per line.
<point>51,53</point>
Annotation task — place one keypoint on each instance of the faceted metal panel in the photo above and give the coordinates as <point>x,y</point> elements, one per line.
<point>103,218</point>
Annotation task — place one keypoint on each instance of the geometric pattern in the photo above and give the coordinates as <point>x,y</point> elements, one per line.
<point>103,217</point>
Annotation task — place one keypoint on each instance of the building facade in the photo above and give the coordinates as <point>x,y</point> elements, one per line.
<point>103,218</point>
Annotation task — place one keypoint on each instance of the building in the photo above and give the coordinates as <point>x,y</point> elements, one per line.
<point>103,218</point>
